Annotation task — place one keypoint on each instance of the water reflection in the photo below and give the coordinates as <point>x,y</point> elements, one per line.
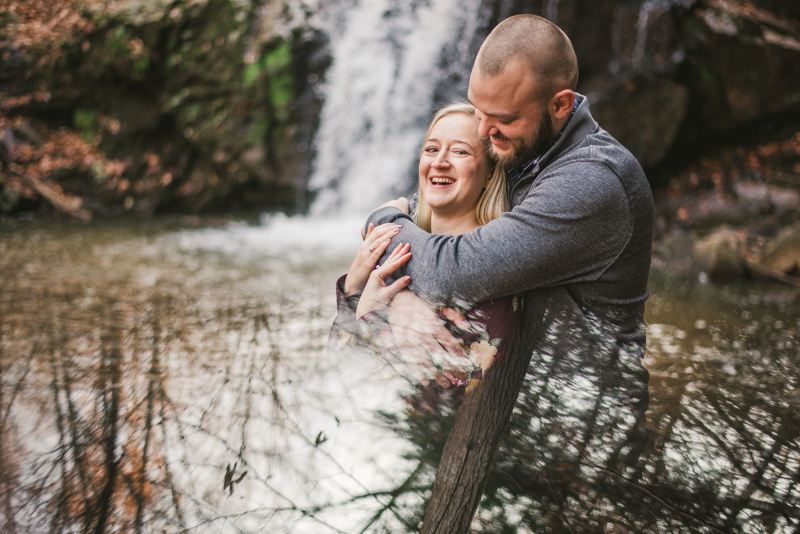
<point>135,375</point>
<point>140,377</point>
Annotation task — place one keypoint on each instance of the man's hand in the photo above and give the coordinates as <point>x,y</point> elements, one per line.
<point>401,204</point>
<point>423,340</point>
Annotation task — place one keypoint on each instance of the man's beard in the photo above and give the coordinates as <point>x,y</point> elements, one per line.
<point>529,149</point>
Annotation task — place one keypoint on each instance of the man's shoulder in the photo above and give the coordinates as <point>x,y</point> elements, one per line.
<point>600,157</point>
<point>599,147</point>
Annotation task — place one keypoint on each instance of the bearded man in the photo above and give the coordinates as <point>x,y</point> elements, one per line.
<point>577,242</point>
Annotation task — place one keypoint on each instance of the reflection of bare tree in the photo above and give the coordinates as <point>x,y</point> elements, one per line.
<point>723,454</point>
<point>121,410</point>
<point>121,406</point>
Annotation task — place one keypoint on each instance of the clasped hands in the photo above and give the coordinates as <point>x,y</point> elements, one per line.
<point>425,344</point>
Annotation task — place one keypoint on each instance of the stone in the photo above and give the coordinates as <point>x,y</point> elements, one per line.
<point>137,12</point>
<point>783,253</point>
<point>720,254</point>
<point>645,118</point>
<point>747,61</point>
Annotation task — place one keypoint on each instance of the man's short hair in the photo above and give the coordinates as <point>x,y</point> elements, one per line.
<point>538,43</point>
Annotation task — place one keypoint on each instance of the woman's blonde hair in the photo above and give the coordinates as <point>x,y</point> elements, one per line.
<point>493,200</point>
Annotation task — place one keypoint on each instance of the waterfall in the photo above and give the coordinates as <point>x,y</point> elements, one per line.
<point>551,11</point>
<point>389,61</point>
<point>646,10</point>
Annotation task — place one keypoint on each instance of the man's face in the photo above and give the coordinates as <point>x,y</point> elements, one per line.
<point>516,121</point>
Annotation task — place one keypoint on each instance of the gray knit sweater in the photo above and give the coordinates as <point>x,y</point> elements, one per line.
<point>577,242</point>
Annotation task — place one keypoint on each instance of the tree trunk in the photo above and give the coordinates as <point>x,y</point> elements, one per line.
<point>469,453</point>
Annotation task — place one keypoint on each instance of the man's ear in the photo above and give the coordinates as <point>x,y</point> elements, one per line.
<point>562,103</point>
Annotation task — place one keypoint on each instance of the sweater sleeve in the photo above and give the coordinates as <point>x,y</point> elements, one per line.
<point>570,227</point>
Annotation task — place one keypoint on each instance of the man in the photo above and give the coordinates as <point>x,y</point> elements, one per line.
<point>577,242</point>
<point>579,236</point>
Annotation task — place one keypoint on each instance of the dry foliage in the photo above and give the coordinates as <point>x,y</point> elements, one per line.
<point>38,28</point>
<point>42,25</point>
<point>31,164</point>
<point>778,161</point>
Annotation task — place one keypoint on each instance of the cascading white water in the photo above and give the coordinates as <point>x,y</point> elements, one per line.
<point>394,63</point>
<point>379,94</point>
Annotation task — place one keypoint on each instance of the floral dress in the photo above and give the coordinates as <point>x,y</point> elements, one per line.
<point>487,331</point>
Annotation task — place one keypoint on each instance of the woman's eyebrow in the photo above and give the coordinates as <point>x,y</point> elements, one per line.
<point>454,141</point>
<point>463,142</point>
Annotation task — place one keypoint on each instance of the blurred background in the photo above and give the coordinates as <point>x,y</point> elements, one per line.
<point>181,182</point>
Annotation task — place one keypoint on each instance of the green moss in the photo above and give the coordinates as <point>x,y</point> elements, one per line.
<point>251,74</point>
<point>274,67</point>
<point>257,133</point>
<point>140,66</point>
<point>85,120</point>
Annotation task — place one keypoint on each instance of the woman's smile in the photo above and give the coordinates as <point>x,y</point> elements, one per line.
<point>442,180</point>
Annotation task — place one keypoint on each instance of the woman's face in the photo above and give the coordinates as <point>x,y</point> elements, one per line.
<point>453,169</point>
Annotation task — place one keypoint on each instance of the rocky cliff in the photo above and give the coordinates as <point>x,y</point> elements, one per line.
<point>141,106</point>
<point>155,105</point>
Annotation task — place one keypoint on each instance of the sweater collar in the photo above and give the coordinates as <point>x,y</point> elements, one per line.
<point>579,125</point>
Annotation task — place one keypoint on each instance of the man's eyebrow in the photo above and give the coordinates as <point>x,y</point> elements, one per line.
<point>501,116</point>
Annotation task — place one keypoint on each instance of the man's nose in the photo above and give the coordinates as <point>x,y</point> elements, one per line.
<point>486,126</point>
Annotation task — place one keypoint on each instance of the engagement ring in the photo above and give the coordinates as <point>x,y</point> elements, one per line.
<point>371,249</point>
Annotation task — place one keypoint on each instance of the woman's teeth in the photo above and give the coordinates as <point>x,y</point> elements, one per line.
<point>442,180</point>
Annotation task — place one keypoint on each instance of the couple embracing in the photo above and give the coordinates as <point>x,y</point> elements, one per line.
<point>521,194</point>
<point>531,235</point>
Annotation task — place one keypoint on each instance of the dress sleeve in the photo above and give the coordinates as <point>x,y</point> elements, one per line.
<point>371,331</point>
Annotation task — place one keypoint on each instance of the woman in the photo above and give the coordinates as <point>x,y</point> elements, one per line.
<point>460,188</point>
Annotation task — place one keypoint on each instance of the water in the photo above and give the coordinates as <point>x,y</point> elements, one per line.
<point>164,355</point>
<point>171,356</point>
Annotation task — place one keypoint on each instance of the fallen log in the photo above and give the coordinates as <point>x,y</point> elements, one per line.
<point>66,204</point>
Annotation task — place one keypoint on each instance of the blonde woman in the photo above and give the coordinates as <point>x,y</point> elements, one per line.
<point>460,188</point>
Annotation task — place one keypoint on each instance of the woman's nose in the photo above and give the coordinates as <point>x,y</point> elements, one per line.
<point>441,160</point>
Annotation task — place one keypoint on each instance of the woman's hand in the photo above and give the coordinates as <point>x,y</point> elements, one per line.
<point>368,254</point>
<point>377,294</point>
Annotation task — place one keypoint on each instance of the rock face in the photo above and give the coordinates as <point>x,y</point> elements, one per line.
<point>744,55</point>
<point>199,104</point>
<point>195,100</point>
<point>661,72</point>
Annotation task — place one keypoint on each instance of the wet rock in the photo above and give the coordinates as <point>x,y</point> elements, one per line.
<point>644,117</point>
<point>783,253</point>
<point>741,203</point>
<point>720,254</point>
<point>746,58</point>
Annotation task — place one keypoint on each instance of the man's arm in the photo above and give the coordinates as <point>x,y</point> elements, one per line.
<point>570,228</point>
